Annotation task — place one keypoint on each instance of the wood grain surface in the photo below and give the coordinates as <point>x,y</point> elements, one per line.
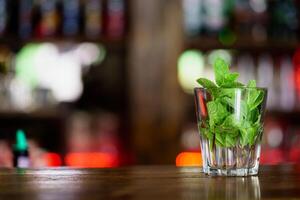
<point>150,182</point>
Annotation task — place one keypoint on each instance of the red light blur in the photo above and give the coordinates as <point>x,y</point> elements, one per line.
<point>294,155</point>
<point>91,160</point>
<point>272,157</point>
<point>53,159</point>
<point>188,159</point>
<point>296,63</point>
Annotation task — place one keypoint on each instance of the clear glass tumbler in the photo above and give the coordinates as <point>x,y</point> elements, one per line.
<point>230,123</point>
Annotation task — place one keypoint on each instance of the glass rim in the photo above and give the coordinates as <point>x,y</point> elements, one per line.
<point>232,88</point>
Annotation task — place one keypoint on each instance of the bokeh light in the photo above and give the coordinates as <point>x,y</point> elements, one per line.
<point>219,53</point>
<point>91,160</point>
<point>58,69</point>
<point>190,67</point>
<point>227,37</point>
<point>188,159</point>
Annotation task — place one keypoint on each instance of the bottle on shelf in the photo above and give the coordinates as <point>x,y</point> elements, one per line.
<point>214,16</point>
<point>25,18</point>
<point>21,155</point>
<point>287,88</point>
<point>266,78</point>
<point>71,17</point>
<point>49,21</point>
<point>192,17</point>
<point>93,12</point>
<point>3,16</point>
<point>284,19</point>
<point>115,19</point>
<point>251,19</point>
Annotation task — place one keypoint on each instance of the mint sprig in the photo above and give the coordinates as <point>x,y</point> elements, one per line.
<point>224,126</point>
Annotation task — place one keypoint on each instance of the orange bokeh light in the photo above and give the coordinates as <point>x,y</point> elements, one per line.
<point>91,160</point>
<point>185,159</point>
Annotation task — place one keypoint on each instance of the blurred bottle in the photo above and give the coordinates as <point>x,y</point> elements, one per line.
<point>214,16</point>
<point>49,22</point>
<point>107,129</point>
<point>265,73</point>
<point>260,22</point>
<point>21,154</point>
<point>284,19</point>
<point>6,76</point>
<point>287,88</point>
<point>25,17</point>
<point>192,17</point>
<point>3,16</point>
<point>258,6</point>
<point>251,19</point>
<point>93,18</point>
<point>71,17</point>
<point>115,19</point>
<point>246,68</point>
<point>243,17</point>
<point>79,132</point>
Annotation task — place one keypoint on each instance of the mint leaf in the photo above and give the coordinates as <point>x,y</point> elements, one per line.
<point>209,85</point>
<point>236,107</point>
<point>249,135</point>
<point>252,84</point>
<point>253,116</point>
<point>220,139</point>
<point>226,93</point>
<point>230,141</point>
<point>258,100</point>
<point>230,80</point>
<point>238,84</point>
<point>222,75</point>
<point>254,98</point>
<point>216,112</point>
<point>221,69</point>
<point>205,131</point>
<point>231,124</point>
<point>206,83</point>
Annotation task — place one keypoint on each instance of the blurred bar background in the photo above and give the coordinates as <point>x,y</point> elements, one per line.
<point>108,83</point>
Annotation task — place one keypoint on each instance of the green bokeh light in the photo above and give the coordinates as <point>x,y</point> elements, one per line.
<point>25,66</point>
<point>102,54</point>
<point>227,37</point>
<point>190,68</point>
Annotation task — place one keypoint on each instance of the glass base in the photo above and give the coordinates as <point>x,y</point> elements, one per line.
<point>230,161</point>
<point>231,172</point>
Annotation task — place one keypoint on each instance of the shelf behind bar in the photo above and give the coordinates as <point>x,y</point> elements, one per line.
<point>247,44</point>
<point>38,114</point>
<point>292,116</point>
<point>16,42</point>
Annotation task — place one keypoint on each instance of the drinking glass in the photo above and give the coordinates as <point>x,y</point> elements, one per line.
<point>230,123</point>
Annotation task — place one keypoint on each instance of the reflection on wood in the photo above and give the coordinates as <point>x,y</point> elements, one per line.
<point>153,182</point>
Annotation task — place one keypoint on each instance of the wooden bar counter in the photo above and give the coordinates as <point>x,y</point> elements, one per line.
<point>149,182</point>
